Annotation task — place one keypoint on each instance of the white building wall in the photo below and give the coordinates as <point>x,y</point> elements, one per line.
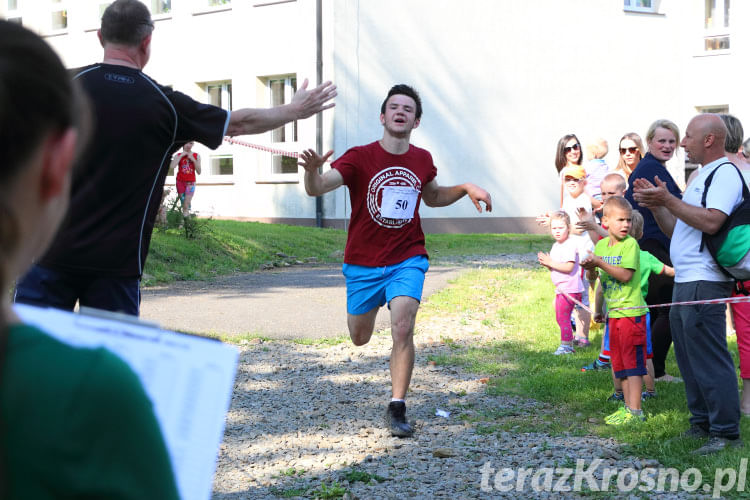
<point>501,82</point>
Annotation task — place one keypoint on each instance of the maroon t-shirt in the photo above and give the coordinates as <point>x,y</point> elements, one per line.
<point>375,240</point>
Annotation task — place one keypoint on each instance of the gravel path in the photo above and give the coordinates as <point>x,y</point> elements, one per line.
<point>308,419</point>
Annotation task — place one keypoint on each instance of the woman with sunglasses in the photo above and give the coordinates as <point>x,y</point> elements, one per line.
<point>662,140</point>
<point>568,154</point>
<point>631,152</point>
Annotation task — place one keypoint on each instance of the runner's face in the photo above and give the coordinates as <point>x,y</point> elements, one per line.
<point>188,146</point>
<point>400,115</point>
<point>559,230</point>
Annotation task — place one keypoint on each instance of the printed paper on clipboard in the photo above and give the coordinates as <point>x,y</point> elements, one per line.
<point>189,380</point>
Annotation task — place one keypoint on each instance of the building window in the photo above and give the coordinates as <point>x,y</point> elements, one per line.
<point>650,6</point>
<point>12,13</point>
<point>717,109</point>
<point>219,94</point>
<point>58,15</point>
<point>716,25</point>
<point>161,7</point>
<point>222,165</point>
<point>281,91</point>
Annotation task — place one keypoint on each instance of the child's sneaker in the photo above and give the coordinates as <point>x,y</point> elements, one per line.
<point>564,349</point>
<point>617,397</point>
<point>595,365</point>
<point>647,395</point>
<point>623,416</point>
<point>617,415</point>
<point>582,342</point>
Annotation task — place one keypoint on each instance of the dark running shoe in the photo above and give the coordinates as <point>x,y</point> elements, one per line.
<point>596,365</point>
<point>617,397</point>
<point>395,419</point>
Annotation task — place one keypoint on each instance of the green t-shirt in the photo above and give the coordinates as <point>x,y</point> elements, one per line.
<point>76,423</point>
<point>624,254</point>
<point>649,265</point>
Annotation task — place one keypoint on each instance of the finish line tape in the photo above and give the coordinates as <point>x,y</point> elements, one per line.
<point>262,148</point>
<point>726,300</point>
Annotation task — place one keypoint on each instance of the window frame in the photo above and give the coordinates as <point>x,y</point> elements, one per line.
<point>654,9</point>
<point>717,32</point>
<point>14,15</point>
<point>291,130</point>
<point>159,15</point>
<point>226,92</point>
<point>52,8</point>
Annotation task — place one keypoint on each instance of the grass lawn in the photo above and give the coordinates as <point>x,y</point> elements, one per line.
<point>518,303</point>
<point>225,247</point>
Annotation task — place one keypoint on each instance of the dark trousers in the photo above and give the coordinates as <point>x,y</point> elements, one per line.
<point>659,292</point>
<point>47,287</point>
<point>700,346</point>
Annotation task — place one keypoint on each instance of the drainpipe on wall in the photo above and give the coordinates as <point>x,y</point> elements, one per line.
<point>319,116</point>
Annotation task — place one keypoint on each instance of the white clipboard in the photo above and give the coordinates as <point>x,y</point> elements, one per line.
<point>188,378</point>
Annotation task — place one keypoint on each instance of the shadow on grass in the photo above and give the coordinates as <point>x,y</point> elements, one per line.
<point>523,365</point>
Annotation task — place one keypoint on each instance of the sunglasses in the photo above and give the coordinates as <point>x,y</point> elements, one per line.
<point>574,147</point>
<point>628,150</point>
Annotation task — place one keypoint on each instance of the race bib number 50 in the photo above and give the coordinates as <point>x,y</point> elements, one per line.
<point>398,202</point>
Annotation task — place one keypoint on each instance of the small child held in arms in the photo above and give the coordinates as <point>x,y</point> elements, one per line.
<point>618,259</point>
<point>649,265</point>
<point>563,262</point>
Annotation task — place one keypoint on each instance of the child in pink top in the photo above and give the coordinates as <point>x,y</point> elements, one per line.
<point>562,261</point>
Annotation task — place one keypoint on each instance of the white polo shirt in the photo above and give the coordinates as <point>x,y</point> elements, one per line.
<point>724,193</point>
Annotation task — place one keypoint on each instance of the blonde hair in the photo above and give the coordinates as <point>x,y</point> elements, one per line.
<point>617,180</point>
<point>663,124</point>
<point>616,203</point>
<point>597,149</point>
<point>621,165</point>
<point>560,215</point>
<point>636,225</point>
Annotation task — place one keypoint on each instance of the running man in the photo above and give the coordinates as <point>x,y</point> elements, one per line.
<point>385,259</point>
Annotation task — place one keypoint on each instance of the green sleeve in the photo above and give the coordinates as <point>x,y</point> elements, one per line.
<point>631,254</point>
<point>113,418</point>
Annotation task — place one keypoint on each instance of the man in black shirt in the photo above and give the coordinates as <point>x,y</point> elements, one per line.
<point>98,255</point>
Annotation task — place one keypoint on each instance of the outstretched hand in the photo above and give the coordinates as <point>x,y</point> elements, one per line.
<point>311,161</point>
<point>477,195</point>
<point>649,195</point>
<point>309,102</point>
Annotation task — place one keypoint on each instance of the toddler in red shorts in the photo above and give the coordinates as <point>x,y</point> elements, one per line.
<point>618,259</point>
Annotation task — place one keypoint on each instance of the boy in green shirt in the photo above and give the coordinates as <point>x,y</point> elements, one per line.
<point>618,258</point>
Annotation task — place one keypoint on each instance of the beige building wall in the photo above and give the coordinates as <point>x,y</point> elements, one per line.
<point>501,81</point>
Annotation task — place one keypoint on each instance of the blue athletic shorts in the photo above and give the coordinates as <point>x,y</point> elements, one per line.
<point>371,287</point>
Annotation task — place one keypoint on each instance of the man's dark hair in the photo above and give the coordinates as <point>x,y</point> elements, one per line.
<point>126,22</point>
<point>402,89</point>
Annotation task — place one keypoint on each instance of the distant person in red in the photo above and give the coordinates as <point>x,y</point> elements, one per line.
<point>385,259</point>
<point>188,164</point>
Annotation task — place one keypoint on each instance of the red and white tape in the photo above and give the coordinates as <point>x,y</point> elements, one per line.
<point>576,302</point>
<point>262,148</point>
<point>726,300</point>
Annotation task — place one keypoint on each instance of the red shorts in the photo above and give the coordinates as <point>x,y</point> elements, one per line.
<point>627,343</point>
<point>185,187</point>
